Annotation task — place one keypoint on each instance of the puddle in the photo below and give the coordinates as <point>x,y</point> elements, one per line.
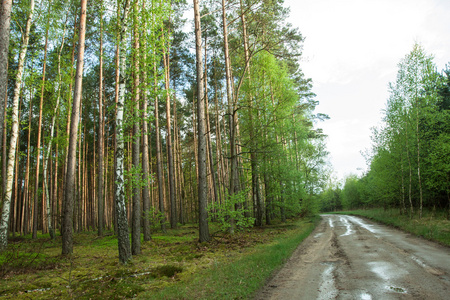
<point>396,289</point>
<point>362,224</point>
<point>385,270</point>
<point>366,296</point>
<point>318,235</point>
<point>418,261</point>
<point>327,289</point>
<point>330,222</point>
<point>348,225</point>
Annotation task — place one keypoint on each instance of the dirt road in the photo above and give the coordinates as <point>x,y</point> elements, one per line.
<point>347,257</point>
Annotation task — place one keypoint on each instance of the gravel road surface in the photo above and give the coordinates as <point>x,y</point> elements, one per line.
<point>347,257</point>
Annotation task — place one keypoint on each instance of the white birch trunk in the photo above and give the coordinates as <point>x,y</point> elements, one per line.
<point>14,135</point>
<point>121,210</point>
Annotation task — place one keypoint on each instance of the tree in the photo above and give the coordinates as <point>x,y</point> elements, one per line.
<point>202,181</point>
<point>122,222</point>
<point>67,226</point>
<point>136,219</point>
<point>5,21</point>
<point>101,126</point>
<point>14,132</point>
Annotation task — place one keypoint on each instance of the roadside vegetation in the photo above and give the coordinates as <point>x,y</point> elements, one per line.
<point>407,184</point>
<point>173,265</point>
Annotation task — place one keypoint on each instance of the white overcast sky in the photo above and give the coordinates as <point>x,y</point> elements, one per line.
<point>351,52</point>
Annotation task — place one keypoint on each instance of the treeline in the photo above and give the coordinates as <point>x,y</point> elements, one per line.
<point>119,117</point>
<point>410,158</point>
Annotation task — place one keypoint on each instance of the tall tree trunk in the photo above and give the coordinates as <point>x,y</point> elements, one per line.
<point>234,175</point>
<point>202,180</point>
<point>418,159</point>
<point>145,144</point>
<point>410,173</point>
<point>208,130</point>
<point>136,219</point>
<point>49,146</point>
<point>101,146</point>
<point>172,193</point>
<point>67,234</point>
<point>5,21</point>
<point>257,201</point>
<point>14,135</point>
<point>158,156</point>
<point>122,223</point>
<point>27,173</point>
<point>38,146</point>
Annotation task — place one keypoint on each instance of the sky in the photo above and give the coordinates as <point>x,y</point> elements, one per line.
<point>351,52</point>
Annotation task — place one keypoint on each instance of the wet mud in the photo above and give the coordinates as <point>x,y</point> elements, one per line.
<point>347,257</point>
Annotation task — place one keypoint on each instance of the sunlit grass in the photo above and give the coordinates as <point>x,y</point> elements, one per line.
<point>172,265</point>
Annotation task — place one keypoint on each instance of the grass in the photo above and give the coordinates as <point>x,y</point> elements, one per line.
<point>432,226</point>
<point>172,266</point>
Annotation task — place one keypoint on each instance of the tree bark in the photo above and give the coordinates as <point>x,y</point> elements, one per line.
<point>158,157</point>
<point>67,234</point>
<point>14,135</point>
<point>145,146</point>
<point>234,175</point>
<point>121,211</point>
<point>202,180</point>
<point>5,22</point>
<point>38,146</point>
<point>136,218</point>
<point>101,125</point>
<point>172,193</point>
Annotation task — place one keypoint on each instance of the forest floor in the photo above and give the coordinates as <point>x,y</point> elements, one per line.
<point>172,265</point>
<point>347,257</point>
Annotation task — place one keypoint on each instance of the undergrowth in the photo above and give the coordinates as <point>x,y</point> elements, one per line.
<point>172,265</point>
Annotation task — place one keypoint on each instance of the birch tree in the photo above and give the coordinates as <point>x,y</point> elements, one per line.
<point>14,132</point>
<point>5,21</point>
<point>122,222</point>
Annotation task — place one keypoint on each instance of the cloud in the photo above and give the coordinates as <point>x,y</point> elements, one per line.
<point>351,52</point>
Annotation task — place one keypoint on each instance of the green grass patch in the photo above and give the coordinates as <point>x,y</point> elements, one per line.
<point>432,226</point>
<point>241,276</point>
<point>171,266</point>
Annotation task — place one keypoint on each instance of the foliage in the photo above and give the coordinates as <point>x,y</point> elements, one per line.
<point>409,161</point>
<point>156,218</point>
<point>231,209</point>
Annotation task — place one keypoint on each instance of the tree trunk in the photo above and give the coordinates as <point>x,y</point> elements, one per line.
<point>136,219</point>
<point>27,175</point>
<point>418,159</point>
<point>5,21</point>
<point>121,211</point>
<point>145,145</point>
<point>234,175</point>
<point>101,146</point>
<point>67,234</point>
<point>208,131</point>
<point>410,172</point>
<point>158,157</point>
<point>172,193</point>
<point>202,180</point>
<point>38,146</point>
<point>14,135</point>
